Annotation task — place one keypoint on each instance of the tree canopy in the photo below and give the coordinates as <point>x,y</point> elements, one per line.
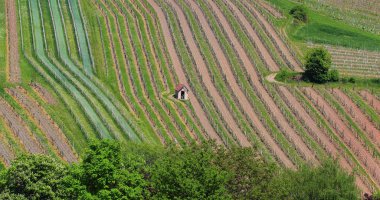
<point>318,63</point>
<point>111,170</point>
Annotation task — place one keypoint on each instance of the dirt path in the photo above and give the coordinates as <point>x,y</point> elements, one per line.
<point>43,93</point>
<point>271,32</point>
<point>345,133</point>
<point>19,128</point>
<point>244,102</point>
<point>45,123</point>
<point>181,74</point>
<point>206,77</point>
<point>276,113</point>
<point>357,114</point>
<point>371,100</point>
<point>318,134</point>
<point>262,50</point>
<point>12,35</point>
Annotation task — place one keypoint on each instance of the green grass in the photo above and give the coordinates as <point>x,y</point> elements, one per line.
<point>324,29</point>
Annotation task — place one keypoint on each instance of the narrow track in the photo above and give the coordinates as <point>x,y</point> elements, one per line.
<point>345,133</point>
<point>181,74</point>
<point>14,73</point>
<point>207,80</point>
<point>230,78</point>
<point>261,91</point>
<point>19,128</point>
<point>357,114</point>
<point>371,100</point>
<point>318,134</point>
<point>45,123</point>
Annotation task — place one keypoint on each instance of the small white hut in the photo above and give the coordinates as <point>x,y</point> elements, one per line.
<point>181,92</point>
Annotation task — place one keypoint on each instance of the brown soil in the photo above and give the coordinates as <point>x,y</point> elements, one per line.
<point>181,74</point>
<point>285,52</point>
<point>206,77</point>
<point>282,122</point>
<point>371,100</point>
<point>346,134</point>
<point>357,114</point>
<point>19,128</point>
<point>46,124</point>
<point>266,56</point>
<point>12,34</point>
<point>319,134</point>
<point>43,93</point>
<point>248,109</point>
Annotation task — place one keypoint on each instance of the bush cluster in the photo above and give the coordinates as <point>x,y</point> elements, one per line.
<point>110,170</point>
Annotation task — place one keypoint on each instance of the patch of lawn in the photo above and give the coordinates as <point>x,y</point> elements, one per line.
<point>324,29</point>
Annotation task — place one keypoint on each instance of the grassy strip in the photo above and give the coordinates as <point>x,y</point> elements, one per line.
<point>367,109</point>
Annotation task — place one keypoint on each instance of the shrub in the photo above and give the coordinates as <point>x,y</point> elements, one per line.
<point>352,80</point>
<point>333,75</point>
<point>318,63</point>
<point>299,13</point>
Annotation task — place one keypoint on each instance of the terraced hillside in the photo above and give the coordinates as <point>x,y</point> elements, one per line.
<point>109,68</point>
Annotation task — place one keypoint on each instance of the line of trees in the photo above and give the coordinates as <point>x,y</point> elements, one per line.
<point>111,170</point>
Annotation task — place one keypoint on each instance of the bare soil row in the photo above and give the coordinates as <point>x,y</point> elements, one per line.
<point>14,73</point>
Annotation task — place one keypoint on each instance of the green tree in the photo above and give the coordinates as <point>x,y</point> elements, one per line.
<point>189,173</point>
<point>107,176</point>
<point>318,63</point>
<point>250,175</point>
<point>34,177</point>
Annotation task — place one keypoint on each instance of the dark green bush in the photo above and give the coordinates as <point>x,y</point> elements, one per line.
<point>299,13</point>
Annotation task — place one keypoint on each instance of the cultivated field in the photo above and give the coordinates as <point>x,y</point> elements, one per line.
<point>109,68</point>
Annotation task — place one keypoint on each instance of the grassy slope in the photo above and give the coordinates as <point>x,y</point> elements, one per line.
<point>324,29</point>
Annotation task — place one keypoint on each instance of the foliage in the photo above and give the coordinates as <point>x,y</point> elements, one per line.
<point>333,75</point>
<point>299,13</point>
<point>135,171</point>
<point>325,182</point>
<point>190,173</point>
<point>34,177</point>
<point>285,75</point>
<point>318,63</point>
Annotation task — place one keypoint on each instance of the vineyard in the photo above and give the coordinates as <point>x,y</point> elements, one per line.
<point>78,70</point>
